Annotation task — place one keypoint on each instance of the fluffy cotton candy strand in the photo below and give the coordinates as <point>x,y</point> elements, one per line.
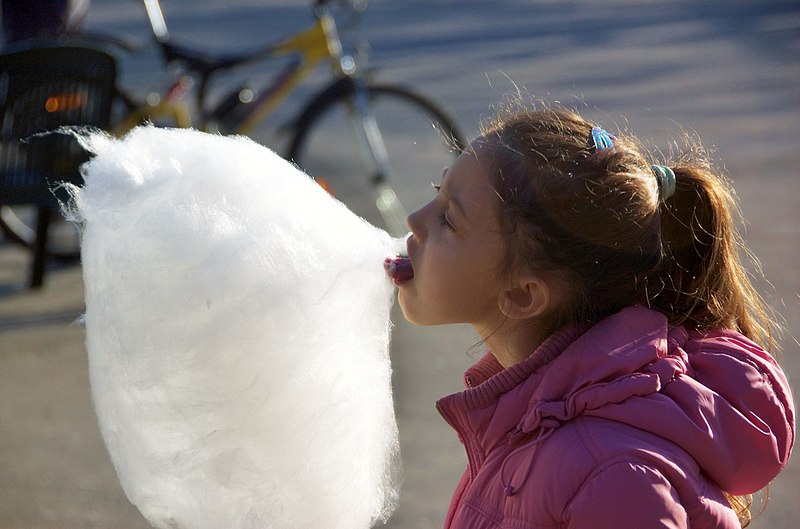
<point>238,331</point>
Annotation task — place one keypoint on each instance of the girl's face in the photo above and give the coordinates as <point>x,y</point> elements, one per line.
<point>456,250</point>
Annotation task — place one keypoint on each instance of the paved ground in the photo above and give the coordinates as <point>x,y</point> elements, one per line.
<point>727,70</point>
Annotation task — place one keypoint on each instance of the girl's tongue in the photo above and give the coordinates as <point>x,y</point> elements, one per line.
<point>399,268</point>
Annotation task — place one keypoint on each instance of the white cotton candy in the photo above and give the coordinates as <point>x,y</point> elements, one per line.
<point>238,330</point>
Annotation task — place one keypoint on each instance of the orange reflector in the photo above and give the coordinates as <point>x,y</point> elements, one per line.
<point>65,101</point>
<point>324,184</point>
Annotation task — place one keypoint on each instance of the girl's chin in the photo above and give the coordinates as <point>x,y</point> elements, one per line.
<point>416,317</point>
<point>406,305</point>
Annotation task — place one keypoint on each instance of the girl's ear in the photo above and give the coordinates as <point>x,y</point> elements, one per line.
<point>528,297</point>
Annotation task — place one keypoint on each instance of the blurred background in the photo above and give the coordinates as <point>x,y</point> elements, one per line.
<point>726,71</point>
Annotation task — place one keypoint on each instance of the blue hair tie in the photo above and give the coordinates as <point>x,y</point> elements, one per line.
<point>666,180</point>
<point>602,139</point>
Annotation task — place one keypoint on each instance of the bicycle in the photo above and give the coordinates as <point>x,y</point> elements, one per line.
<point>352,114</point>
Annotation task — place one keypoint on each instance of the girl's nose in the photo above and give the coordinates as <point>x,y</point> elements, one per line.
<point>416,224</point>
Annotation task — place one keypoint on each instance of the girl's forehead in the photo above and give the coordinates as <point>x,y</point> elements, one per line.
<point>466,171</point>
<point>468,182</point>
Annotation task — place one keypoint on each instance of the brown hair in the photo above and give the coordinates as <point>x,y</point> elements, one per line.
<point>595,217</point>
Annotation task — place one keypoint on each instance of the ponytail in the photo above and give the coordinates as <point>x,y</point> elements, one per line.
<point>702,282</point>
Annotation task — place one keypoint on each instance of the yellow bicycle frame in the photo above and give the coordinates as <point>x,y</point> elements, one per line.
<point>318,42</point>
<point>174,111</point>
<point>314,44</point>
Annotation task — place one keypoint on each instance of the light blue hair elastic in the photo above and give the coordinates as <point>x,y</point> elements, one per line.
<point>666,180</point>
<point>602,139</point>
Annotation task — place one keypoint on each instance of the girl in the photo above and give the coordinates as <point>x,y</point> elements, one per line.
<point>626,383</point>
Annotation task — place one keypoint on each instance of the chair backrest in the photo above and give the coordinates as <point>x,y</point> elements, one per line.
<point>42,89</point>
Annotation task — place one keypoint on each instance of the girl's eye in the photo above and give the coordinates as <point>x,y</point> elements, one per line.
<point>443,216</point>
<point>445,223</point>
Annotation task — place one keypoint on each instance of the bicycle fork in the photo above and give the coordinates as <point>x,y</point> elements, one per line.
<point>374,154</point>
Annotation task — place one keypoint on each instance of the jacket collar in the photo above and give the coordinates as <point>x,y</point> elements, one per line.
<point>500,403</point>
<point>475,413</point>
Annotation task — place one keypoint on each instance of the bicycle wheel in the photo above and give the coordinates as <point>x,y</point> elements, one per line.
<point>420,141</point>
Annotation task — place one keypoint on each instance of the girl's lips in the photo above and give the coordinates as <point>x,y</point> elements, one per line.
<point>399,269</point>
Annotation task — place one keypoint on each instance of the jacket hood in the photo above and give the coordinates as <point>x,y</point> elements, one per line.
<point>717,395</point>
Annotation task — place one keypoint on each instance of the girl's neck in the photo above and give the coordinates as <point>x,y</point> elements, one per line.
<point>514,341</point>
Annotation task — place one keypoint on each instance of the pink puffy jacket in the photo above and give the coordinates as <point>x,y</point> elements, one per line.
<point>631,424</point>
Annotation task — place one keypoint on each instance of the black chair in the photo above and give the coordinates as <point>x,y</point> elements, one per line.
<point>42,89</point>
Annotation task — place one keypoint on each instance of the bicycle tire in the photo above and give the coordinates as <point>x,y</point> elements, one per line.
<point>421,141</point>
